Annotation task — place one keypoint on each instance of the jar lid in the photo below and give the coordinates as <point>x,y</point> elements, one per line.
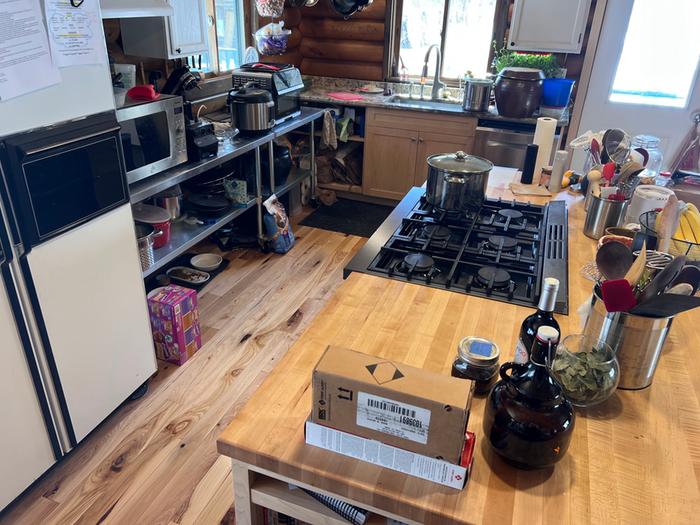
<point>459,162</point>
<point>478,351</point>
<point>150,214</point>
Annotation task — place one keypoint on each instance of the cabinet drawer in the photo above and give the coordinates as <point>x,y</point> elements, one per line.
<point>459,125</point>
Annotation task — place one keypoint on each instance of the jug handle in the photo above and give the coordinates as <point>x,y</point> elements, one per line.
<point>508,366</point>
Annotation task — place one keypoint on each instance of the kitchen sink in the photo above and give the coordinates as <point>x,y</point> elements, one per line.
<point>436,105</point>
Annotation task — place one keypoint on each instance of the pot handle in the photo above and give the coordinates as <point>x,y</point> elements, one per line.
<point>157,233</point>
<point>508,366</point>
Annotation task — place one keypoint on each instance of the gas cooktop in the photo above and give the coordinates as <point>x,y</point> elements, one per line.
<point>501,252</point>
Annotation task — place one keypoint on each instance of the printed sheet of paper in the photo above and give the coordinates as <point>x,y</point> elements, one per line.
<point>75,33</point>
<point>25,58</point>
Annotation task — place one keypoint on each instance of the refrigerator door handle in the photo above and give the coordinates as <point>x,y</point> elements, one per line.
<point>44,357</point>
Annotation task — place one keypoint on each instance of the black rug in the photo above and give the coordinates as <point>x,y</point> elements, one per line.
<point>349,216</point>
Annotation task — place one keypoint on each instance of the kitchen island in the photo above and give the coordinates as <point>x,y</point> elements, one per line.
<point>633,459</point>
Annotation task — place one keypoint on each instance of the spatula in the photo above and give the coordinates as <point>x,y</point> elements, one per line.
<point>662,279</point>
<point>691,275</point>
<point>666,305</point>
<point>618,296</point>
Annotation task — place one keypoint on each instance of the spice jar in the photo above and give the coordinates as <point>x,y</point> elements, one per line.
<point>477,359</point>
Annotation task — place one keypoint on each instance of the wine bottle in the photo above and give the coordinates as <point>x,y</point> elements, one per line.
<point>542,317</point>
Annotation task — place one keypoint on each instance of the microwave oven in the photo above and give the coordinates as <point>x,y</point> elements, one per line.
<point>152,136</point>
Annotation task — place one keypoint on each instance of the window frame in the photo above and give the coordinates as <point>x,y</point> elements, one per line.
<point>212,36</point>
<point>393,37</point>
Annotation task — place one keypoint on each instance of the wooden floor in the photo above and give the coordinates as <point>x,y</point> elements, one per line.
<point>154,461</point>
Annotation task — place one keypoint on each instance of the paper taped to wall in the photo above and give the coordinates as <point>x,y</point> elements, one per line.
<point>75,33</point>
<point>25,58</point>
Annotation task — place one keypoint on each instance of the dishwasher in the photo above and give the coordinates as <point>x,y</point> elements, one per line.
<point>504,143</point>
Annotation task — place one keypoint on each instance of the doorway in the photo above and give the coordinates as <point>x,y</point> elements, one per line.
<point>645,73</point>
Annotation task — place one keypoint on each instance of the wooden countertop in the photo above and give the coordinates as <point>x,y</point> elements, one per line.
<point>634,459</point>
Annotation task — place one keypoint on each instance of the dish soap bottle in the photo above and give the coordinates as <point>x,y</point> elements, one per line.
<point>528,421</point>
<point>544,316</point>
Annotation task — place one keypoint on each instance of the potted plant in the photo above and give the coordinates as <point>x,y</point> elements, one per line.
<point>520,91</point>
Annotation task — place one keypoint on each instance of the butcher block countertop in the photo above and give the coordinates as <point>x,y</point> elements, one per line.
<point>634,459</point>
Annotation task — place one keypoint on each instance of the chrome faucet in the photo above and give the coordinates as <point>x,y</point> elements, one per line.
<point>437,84</point>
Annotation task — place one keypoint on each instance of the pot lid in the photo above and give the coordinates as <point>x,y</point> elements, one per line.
<point>522,73</point>
<point>459,162</point>
<point>251,95</point>
<point>150,214</point>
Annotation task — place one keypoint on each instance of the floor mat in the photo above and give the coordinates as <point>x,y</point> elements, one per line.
<point>349,216</point>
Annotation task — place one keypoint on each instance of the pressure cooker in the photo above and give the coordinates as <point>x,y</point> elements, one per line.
<point>457,181</point>
<point>252,109</point>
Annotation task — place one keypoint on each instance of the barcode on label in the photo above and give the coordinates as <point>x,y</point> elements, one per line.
<point>391,407</point>
<point>392,417</point>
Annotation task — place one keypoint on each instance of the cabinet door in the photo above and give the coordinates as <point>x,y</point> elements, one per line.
<point>548,25</point>
<point>187,28</point>
<point>389,162</point>
<point>433,143</point>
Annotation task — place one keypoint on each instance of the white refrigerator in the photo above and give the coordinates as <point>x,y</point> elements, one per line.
<point>75,338</point>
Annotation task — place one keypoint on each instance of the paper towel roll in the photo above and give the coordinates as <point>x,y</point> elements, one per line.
<point>558,168</point>
<point>544,138</point>
<point>647,197</point>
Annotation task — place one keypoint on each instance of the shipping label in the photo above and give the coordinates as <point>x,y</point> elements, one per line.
<point>393,418</point>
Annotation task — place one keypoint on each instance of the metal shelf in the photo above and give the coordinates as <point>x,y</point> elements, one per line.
<point>295,177</point>
<point>228,150</point>
<point>183,236</point>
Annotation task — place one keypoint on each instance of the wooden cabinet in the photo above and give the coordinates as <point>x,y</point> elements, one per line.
<point>548,25</point>
<point>182,34</point>
<point>397,144</point>
<point>188,33</point>
<point>431,143</point>
<point>389,162</point>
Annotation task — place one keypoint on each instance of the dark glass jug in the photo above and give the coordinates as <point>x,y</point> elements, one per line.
<point>527,420</point>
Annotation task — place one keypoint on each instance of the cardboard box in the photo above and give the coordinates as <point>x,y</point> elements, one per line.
<point>394,458</point>
<point>399,405</point>
<point>175,323</point>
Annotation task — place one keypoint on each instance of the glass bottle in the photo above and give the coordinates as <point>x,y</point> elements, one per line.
<point>528,420</point>
<point>544,316</point>
<point>651,144</point>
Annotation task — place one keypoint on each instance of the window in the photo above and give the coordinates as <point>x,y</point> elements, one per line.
<point>226,36</point>
<point>464,35</point>
<point>230,40</point>
<point>659,58</point>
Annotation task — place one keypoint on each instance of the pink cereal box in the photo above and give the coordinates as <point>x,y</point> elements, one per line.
<point>175,323</point>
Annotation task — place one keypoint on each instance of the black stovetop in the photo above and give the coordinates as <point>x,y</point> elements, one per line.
<point>501,252</point>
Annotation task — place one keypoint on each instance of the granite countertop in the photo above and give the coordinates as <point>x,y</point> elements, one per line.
<point>317,89</point>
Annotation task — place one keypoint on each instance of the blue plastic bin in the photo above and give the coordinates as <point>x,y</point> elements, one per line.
<point>556,92</point>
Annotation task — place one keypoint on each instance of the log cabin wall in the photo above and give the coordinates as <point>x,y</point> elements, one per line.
<point>322,43</point>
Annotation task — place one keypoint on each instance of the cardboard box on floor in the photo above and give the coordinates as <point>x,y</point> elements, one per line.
<point>391,402</point>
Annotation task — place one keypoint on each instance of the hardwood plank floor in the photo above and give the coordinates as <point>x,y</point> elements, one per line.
<point>154,461</point>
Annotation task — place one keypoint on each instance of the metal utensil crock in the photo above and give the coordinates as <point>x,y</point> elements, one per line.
<point>477,94</point>
<point>457,181</point>
<point>603,213</point>
<point>145,234</point>
<point>637,341</point>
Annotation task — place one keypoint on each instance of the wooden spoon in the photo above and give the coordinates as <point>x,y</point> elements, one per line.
<point>614,260</point>
<point>634,274</point>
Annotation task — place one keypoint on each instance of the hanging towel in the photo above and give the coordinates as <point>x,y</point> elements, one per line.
<point>329,137</point>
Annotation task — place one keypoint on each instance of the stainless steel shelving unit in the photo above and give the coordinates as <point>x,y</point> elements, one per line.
<point>184,236</point>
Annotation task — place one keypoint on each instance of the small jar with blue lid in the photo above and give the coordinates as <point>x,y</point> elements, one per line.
<point>477,359</point>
